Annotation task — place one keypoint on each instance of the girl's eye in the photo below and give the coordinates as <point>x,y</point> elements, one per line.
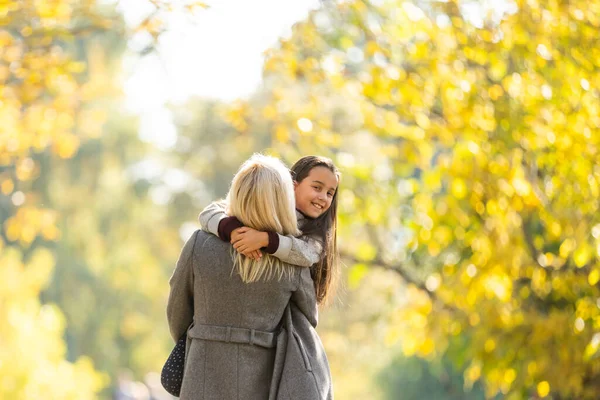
<point>330,194</point>
<point>316,188</point>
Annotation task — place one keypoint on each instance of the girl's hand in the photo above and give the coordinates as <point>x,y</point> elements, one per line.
<point>248,241</point>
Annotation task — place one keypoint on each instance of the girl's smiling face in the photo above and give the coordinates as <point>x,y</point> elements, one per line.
<point>315,192</point>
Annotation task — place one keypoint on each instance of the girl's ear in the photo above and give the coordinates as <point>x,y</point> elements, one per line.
<point>295,184</point>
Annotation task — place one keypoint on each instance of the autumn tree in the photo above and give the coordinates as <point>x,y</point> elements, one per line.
<point>54,78</point>
<point>468,143</point>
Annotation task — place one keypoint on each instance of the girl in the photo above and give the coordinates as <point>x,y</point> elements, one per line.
<point>316,181</point>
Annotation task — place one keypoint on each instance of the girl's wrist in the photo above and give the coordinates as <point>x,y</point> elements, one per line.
<point>272,242</point>
<point>264,239</point>
<point>226,226</point>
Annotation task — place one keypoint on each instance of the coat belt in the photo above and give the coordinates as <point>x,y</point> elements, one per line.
<point>231,334</point>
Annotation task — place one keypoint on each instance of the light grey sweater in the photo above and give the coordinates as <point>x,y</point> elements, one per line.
<point>304,251</point>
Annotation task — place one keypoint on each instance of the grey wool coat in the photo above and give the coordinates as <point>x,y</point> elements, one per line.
<point>236,347</point>
<point>301,366</point>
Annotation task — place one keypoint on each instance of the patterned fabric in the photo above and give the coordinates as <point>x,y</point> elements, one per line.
<point>171,375</point>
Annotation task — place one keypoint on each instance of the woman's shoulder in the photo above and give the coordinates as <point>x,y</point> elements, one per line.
<point>207,240</point>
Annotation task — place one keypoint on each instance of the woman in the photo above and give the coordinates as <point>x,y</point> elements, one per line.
<point>231,306</point>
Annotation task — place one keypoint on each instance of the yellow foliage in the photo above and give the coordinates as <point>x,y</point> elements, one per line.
<point>543,389</point>
<point>31,349</point>
<point>53,68</point>
<point>495,168</point>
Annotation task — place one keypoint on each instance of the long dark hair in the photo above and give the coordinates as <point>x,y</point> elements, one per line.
<point>325,272</point>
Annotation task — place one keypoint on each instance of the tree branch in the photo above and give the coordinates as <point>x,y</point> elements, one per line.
<point>379,263</point>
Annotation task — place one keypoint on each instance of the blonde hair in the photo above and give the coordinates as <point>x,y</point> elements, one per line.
<point>262,197</point>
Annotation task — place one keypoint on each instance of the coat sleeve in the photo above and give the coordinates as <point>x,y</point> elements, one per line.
<point>210,217</point>
<point>303,251</point>
<point>180,306</point>
<point>305,297</point>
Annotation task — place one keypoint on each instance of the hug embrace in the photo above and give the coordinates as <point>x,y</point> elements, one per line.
<point>244,295</point>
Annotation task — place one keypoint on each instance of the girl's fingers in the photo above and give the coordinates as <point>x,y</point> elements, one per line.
<point>254,255</point>
<point>237,239</point>
<point>244,249</point>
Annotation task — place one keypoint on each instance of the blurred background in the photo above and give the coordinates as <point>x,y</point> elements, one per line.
<point>467,133</point>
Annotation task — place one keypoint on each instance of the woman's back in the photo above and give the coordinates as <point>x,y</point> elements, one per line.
<point>231,343</point>
<point>227,304</point>
<point>222,298</point>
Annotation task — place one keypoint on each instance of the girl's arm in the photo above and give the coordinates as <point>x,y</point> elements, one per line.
<point>213,219</point>
<point>210,217</point>
<point>303,251</point>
